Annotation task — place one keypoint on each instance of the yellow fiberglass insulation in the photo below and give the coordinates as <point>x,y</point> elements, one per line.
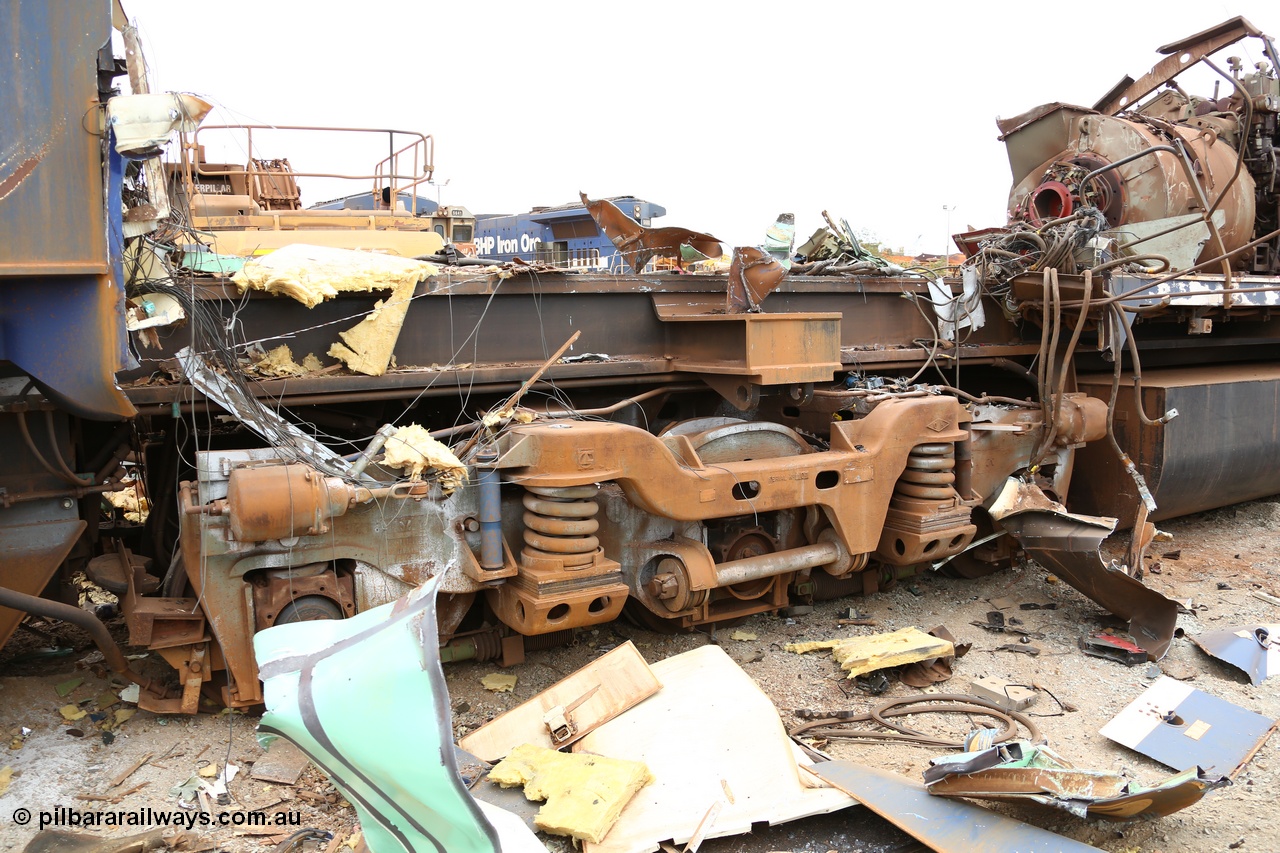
<point>414,450</point>
<point>584,793</point>
<point>312,274</point>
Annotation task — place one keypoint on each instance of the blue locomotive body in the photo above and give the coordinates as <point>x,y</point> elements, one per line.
<point>563,236</point>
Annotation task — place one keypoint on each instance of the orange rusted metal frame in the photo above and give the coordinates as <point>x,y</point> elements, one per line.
<point>1195,48</point>
<point>228,610</point>
<point>852,482</point>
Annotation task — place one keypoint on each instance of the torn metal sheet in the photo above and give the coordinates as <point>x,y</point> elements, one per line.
<point>151,310</point>
<point>1178,238</point>
<point>639,244</point>
<point>212,263</point>
<point>948,826</point>
<point>836,250</point>
<point>926,672</point>
<point>1182,727</point>
<point>1252,648</point>
<point>1018,771</point>
<point>144,123</point>
<point>338,689</point>
<point>958,312</point>
<point>706,693</point>
<point>1068,544</point>
<point>1111,647</point>
<point>266,423</point>
<point>780,239</point>
<point>753,275</point>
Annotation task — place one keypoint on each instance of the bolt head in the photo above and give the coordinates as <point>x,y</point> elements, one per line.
<point>663,586</point>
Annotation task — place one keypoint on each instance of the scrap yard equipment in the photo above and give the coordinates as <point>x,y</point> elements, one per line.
<point>315,421</point>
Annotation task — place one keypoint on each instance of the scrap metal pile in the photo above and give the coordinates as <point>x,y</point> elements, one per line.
<point>325,433</point>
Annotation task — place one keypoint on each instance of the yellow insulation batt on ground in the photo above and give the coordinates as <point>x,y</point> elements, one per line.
<point>584,793</point>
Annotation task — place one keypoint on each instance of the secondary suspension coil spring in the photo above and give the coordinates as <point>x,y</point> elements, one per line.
<point>930,474</point>
<point>560,523</point>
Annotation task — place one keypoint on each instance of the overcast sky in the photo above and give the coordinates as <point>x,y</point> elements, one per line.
<point>725,113</point>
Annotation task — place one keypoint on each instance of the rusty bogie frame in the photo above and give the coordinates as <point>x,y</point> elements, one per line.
<point>713,519</point>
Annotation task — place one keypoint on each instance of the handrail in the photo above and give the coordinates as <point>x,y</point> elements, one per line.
<point>385,173</point>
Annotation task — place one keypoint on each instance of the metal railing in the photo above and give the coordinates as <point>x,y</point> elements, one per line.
<point>388,172</point>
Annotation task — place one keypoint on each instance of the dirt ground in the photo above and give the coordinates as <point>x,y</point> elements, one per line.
<point>1235,547</point>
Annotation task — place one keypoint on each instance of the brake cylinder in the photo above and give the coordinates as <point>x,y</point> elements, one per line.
<point>283,501</point>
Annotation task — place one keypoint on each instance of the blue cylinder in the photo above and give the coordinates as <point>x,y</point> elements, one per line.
<point>490,482</point>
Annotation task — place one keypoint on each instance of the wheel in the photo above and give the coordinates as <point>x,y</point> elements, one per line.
<point>642,617</point>
<point>733,440</point>
<point>970,567</point>
<point>308,609</point>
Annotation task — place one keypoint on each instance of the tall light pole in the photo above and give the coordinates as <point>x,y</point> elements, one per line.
<point>946,242</point>
<point>438,185</point>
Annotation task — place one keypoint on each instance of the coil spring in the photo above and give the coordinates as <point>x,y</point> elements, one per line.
<point>560,523</point>
<point>542,642</point>
<point>488,645</point>
<point>930,473</point>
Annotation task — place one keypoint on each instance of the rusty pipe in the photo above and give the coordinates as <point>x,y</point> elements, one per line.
<point>992,398</point>
<point>1013,367</point>
<point>112,453</point>
<point>1246,129</point>
<point>1115,164</point>
<point>777,563</point>
<point>111,652</point>
<point>1205,209</point>
<point>69,479</point>
<point>366,456</point>
<point>75,492</point>
<point>112,465</point>
<point>51,428</point>
<point>190,506</point>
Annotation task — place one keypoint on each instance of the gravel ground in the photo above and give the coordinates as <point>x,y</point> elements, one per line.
<point>1236,546</point>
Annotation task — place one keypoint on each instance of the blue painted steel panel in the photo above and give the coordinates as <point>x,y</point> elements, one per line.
<point>51,176</point>
<point>529,236</point>
<point>61,243</point>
